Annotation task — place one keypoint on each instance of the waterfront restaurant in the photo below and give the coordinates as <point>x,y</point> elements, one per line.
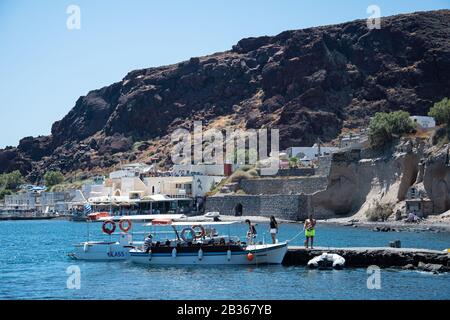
<point>152,204</point>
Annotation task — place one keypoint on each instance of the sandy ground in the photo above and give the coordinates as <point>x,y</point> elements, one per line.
<point>432,223</point>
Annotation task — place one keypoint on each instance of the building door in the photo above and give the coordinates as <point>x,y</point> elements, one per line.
<point>238,210</point>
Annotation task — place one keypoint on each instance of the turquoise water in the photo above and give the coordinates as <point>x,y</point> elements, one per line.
<point>33,265</point>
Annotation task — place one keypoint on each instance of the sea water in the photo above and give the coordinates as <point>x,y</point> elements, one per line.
<point>34,265</point>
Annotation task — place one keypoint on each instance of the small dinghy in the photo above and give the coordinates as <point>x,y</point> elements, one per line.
<point>327,261</point>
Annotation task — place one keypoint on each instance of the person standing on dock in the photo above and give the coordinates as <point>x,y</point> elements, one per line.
<point>273,229</point>
<point>310,231</point>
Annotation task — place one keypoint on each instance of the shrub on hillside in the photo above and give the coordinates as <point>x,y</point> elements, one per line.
<point>253,172</point>
<point>384,126</point>
<point>379,212</point>
<point>11,181</point>
<point>4,192</point>
<point>441,111</point>
<point>52,178</point>
<point>239,175</point>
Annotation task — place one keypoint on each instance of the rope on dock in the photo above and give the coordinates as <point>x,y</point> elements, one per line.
<point>295,237</point>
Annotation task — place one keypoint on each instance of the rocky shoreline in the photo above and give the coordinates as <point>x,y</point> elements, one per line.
<point>407,259</point>
<point>387,226</point>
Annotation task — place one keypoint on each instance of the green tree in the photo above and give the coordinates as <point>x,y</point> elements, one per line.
<point>52,178</point>
<point>384,126</point>
<point>441,111</point>
<point>293,162</point>
<point>11,181</point>
<point>4,192</point>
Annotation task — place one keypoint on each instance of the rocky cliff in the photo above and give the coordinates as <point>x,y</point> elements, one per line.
<point>355,185</point>
<point>309,83</point>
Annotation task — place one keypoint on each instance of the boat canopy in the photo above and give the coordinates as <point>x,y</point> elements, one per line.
<point>200,223</point>
<point>145,217</point>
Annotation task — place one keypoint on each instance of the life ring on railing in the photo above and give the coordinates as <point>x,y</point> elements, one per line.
<point>128,225</point>
<point>191,232</point>
<point>109,230</point>
<point>199,233</point>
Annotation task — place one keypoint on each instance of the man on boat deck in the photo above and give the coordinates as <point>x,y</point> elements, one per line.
<point>310,231</point>
<point>148,243</point>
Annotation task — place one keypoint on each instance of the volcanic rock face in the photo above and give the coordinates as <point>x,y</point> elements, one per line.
<point>308,83</point>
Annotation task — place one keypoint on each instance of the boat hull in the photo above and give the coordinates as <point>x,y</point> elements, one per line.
<point>262,254</point>
<point>101,251</point>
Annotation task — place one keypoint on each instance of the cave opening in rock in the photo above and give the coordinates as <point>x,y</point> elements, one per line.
<point>238,210</point>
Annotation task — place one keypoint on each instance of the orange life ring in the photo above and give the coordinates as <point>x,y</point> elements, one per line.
<point>128,223</point>
<point>109,230</point>
<point>199,234</point>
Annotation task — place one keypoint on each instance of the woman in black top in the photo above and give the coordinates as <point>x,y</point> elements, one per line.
<point>251,233</point>
<point>273,229</point>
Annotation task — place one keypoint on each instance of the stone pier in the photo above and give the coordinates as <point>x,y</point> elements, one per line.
<point>383,257</point>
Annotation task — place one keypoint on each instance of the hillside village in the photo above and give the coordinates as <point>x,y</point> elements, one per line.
<point>319,180</point>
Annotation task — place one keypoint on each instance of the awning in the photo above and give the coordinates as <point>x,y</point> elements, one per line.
<point>200,223</point>
<point>148,217</point>
<point>158,197</point>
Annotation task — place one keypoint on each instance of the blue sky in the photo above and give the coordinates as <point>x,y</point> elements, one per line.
<point>44,67</point>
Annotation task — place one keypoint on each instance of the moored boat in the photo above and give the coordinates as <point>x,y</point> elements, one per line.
<point>115,250</point>
<point>193,245</point>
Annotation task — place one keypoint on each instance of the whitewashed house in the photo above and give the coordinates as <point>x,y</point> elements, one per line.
<point>308,154</point>
<point>424,122</point>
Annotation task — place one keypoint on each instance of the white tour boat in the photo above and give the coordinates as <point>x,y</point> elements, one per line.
<point>116,250</point>
<point>196,245</point>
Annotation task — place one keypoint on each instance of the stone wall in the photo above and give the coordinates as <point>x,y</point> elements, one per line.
<point>291,207</point>
<point>296,172</point>
<point>286,186</point>
<point>324,167</point>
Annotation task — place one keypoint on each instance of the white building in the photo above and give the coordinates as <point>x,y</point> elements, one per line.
<point>90,190</point>
<point>199,169</point>
<point>131,170</point>
<point>184,186</point>
<point>308,154</point>
<point>354,140</point>
<point>424,122</point>
<point>45,202</point>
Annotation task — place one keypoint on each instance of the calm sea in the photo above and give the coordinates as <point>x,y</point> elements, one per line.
<point>34,262</point>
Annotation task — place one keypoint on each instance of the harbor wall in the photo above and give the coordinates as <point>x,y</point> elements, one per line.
<point>408,258</point>
<point>284,186</point>
<point>291,207</point>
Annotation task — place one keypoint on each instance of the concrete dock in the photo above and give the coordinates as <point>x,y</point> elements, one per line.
<point>383,257</point>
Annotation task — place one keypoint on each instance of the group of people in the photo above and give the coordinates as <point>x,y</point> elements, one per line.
<point>309,227</point>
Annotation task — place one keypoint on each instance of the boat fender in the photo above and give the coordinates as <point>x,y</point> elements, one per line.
<point>200,254</point>
<point>85,247</point>
<point>250,256</point>
<point>174,253</point>
<point>150,255</point>
<point>229,255</point>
